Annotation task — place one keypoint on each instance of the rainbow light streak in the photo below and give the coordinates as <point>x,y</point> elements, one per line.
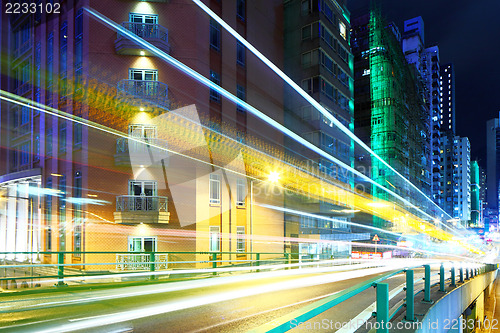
<point>12,98</point>
<point>306,96</point>
<point>192,73</point>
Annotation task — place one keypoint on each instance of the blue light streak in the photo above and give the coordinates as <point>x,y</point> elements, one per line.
<point>306,96</point>
<point>197,76</point>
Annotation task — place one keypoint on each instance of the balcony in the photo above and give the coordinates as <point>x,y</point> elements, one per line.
<point>140,93</point>
<point>153,33</point>
<point>141,149</point>
<point>136,209</point>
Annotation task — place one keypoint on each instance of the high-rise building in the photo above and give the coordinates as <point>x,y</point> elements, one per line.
<point>74,187</point>
<point>476,205</point>
<point>447,98</point>
<point>493,163</point>
<point>426,61</point>
<point>390,113</point>
<point>318,57</point>
<point>456,170</point>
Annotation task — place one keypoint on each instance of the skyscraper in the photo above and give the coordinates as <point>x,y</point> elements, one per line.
<point>318,57</point>
<point>390,112</point>
<point>456,178</point>
<point>426,61</point>
<point>447,98</point>
<point>492,164</point>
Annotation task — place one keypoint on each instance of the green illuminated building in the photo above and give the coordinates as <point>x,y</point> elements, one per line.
<point>390,113</point>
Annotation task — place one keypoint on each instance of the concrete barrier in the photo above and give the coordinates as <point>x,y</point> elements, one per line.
<point>444,315</point>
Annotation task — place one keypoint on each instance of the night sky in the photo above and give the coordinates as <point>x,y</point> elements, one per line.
<point>468,35</point>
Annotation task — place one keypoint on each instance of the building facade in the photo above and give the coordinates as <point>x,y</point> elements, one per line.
<point>390,113</point>
<point>426,61</point>
<point>456,170</point>
<point>69,186</point>
<point>318,57</point>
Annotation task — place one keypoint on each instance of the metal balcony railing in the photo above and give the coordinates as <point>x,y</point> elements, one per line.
<point>140,261</point>
<point>147,30</point>
<point>151,91</point>
<point>124,145</point>
<point>138,203</point>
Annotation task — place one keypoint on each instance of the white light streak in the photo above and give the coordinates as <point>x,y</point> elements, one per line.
<point>305,95</point>
<point>197,76</point>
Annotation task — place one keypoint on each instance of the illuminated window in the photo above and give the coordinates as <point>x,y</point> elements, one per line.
<point>214,189</point>
<point>214,239</point>
<point>343,30</point>
<point>240,239</point>
<point>143,18</point>
<point>146,188</point>
<point>142,244</point>
<point>143,74</point>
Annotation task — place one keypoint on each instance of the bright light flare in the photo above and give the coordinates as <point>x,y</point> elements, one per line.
<point>273,177</point>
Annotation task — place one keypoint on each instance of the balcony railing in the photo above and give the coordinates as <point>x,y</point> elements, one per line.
<point>147,30</point>
<point>149,91</point>
<point>153,33</point>
<point>140,261</point>
<point>138,203</point>
<point>138,145</point>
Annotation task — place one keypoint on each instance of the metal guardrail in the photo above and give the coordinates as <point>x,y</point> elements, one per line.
<point>382,314</point>
<point>138,203</point>
<point>149,264</point>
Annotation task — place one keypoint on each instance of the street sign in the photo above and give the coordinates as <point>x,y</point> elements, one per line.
<point>375,238</point>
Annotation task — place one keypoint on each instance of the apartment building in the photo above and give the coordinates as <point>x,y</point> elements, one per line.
<point>131,185</point>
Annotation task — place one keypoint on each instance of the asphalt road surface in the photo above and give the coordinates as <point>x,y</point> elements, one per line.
<point>235,303</point>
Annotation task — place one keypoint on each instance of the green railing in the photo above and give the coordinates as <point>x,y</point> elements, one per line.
<point>151,265</point>
<point>382,314</point>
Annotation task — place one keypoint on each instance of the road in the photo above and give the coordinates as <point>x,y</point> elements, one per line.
<point>232,303</point>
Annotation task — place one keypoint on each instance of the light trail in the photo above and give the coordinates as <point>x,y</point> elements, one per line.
<point>321,217</point>
<point>21,101</point>
<point>305,95</point>
<point>197,76</point>
<point>325,218</point>
<point>90,124</point>
<point>166,307</point>
<point>205,329</point>
<point>188,285</point>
